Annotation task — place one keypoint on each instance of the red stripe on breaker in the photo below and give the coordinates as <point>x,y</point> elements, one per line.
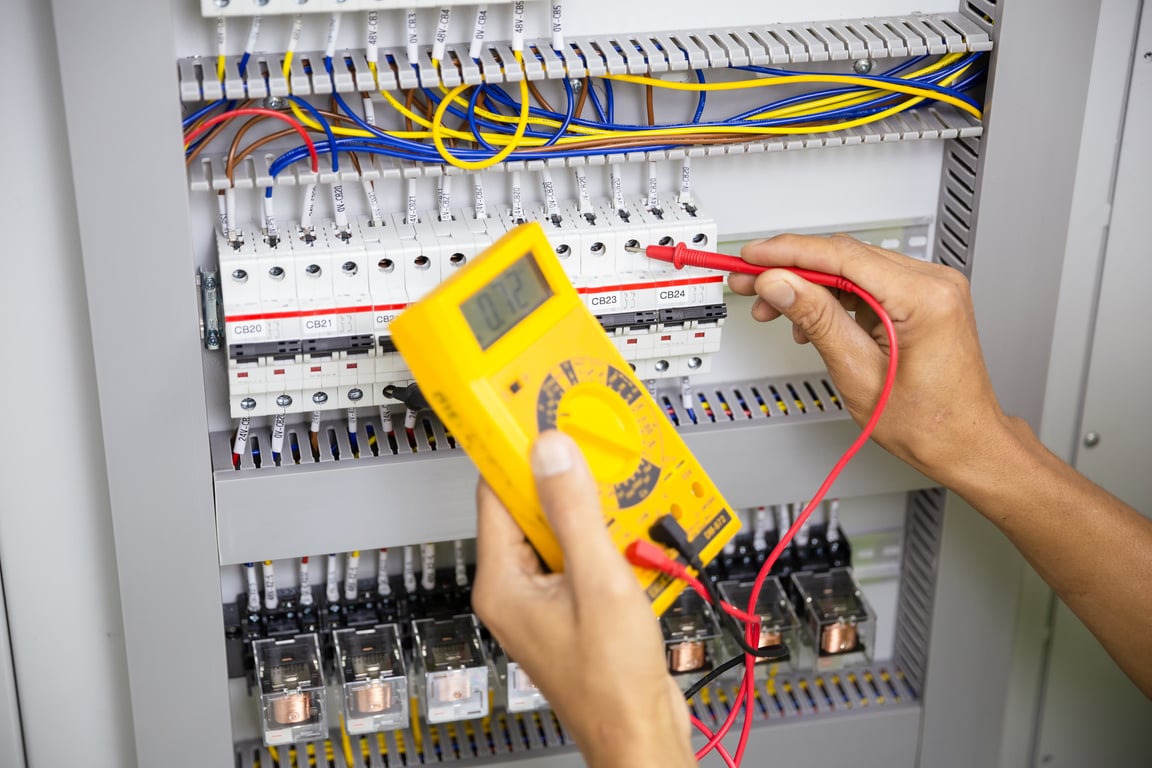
<point>706,280</point>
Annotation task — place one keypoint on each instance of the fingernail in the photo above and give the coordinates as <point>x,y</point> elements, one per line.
<point>551,455</point>
<point>779,294</point>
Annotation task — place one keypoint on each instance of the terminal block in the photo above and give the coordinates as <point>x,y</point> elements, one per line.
<point>837,620</point>
<point>290,676</point>
<point>688,626</point>
<point>451,667</point>
<point>370,670</point>
<point>778,622</point>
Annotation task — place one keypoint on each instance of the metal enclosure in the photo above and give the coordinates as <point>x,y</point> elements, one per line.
<point>172,509</point>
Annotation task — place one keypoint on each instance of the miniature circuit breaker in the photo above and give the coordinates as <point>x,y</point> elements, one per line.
<point>520,693</point>
<point>290,674</point>
<point>451,667</point>
<point>688,626</point>
<point>370,668</point>
<point>778,622</point>
<point>837,619</point>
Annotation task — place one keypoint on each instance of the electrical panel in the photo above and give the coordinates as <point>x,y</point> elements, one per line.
<point>343,159</point>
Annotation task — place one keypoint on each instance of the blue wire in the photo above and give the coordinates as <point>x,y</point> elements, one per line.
<point>244,64</point>
<point>609,101</point>
<point>701,100</point>
<point>595,102</point>
<point>204,111</point>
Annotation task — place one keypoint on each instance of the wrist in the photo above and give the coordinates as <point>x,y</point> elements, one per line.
<point>990,469</point>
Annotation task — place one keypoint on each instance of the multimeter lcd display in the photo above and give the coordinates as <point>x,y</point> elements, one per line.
<point>501,304</point>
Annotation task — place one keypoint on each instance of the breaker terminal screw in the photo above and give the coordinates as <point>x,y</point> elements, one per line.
<point>247,404</point>
<point>284,401</point>
<point>320,397</point>
<point>239,275</point>
<point>355,394</point>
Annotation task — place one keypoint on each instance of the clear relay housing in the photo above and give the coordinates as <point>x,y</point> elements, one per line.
<point>838,621</point>
<point>688,625</point>
<point>290,674</point>
<point>453,667</point>
<point>520,693</point>
<point>778,622</point>
<point>370,667</point>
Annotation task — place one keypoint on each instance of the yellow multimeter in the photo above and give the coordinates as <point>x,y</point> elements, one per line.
<point>505,349</point>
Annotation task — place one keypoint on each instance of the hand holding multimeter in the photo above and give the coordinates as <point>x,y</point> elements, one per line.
<point>505,350</point>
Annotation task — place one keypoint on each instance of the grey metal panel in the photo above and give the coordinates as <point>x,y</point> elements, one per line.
<point>11,737</point>
<point>1023,203</point>
<point>138,282</point>
<point>63,632</point>
<point>1120,361</point>
<point>1090,711</point>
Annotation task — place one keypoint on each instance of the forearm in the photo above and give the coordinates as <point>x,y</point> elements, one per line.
<point>1091,548</point>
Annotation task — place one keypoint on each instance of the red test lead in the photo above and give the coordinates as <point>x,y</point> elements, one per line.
<point>682,256</point>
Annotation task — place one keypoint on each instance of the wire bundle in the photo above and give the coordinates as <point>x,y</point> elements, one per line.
<point>494,125</point>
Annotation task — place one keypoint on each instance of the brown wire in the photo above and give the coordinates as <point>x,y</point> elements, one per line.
<point>581,98</point>
<point>649,102</point>
<point>211,135</point>
<point>539,96</point>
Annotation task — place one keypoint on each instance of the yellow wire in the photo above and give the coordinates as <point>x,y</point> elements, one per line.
<point>737,85</point>
<point>221,68</point>
<point>346,742</point>
<point>848,99</point>
<point>511,146</point>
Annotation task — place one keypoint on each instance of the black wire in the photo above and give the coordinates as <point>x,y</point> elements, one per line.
<point>709,678</point>
<point>668,531</point>
<point>735,628</point>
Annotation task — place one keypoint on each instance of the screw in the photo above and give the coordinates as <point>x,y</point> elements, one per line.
<point>320,398</point>
<point>695,362</point>
<point>1092,439</point>
<point>349,268</point>
<point>862,66</point>
<point>248,404</point>
<point>275,102</point>
<point>239,275</point>
<point>355,394</point>
<point>276,273</point>
<point>210,284</point>
<point>661,366</point>
<point>221,3</point>
<point>284,401</point>
<point>1147,55</point>
<point>313,270</point>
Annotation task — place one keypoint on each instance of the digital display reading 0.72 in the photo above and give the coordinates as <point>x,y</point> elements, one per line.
<point>497,307</point>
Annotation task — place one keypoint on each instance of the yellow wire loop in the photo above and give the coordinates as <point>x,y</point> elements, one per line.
<point>509,148</point>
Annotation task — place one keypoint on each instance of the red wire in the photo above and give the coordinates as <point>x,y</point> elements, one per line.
<point>192,135</point>
<point>682,256</point>
<point>724,755</point>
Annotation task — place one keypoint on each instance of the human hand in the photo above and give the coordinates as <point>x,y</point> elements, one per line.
<point>942,406</point>
<point>587,636</point>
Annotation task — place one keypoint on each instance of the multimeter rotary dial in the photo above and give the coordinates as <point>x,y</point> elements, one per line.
<point>604,411</point>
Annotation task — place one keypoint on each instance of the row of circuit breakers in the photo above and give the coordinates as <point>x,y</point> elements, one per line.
<point>396,651</point>
<point>306,314</point>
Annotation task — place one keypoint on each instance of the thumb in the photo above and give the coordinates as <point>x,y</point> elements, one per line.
<point>851,354</point>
